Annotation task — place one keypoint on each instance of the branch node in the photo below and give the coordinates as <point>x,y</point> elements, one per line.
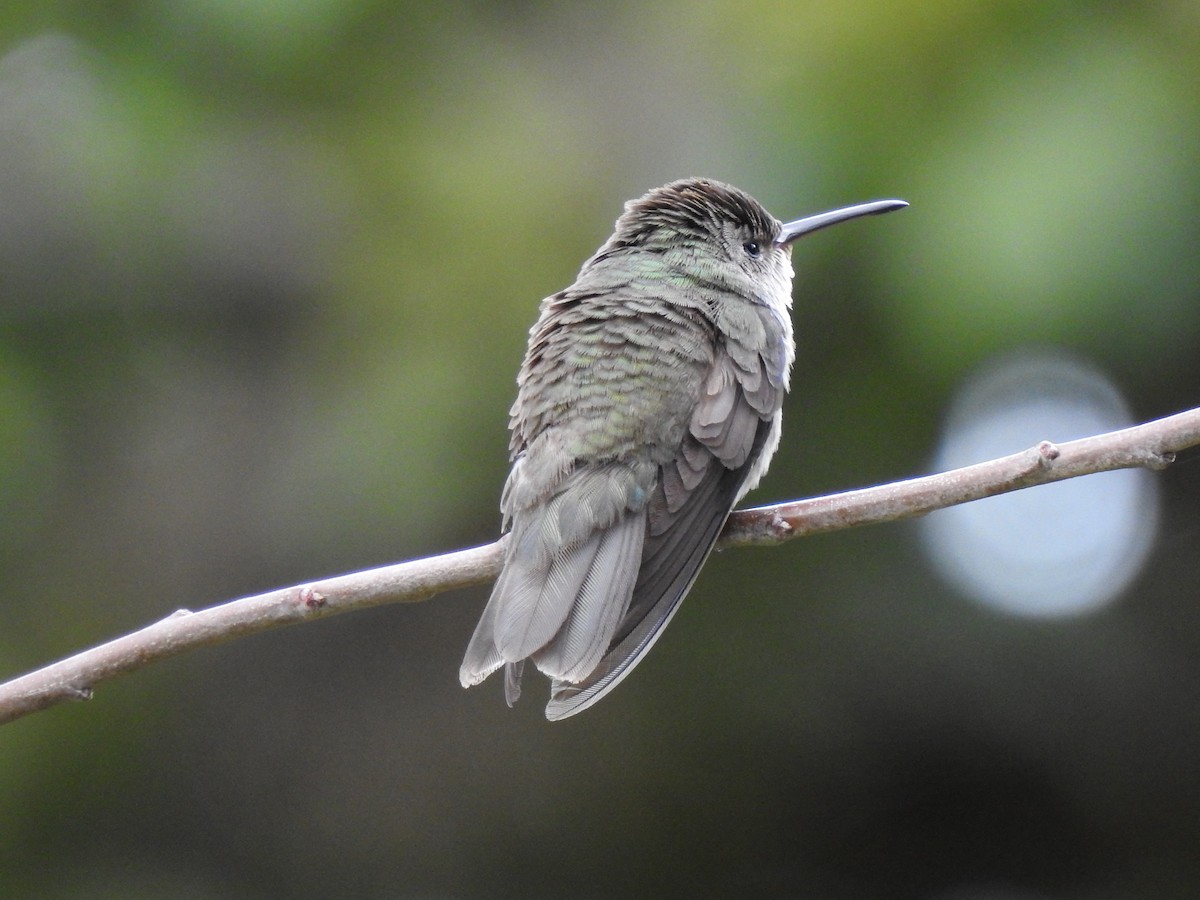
<point>1159,461</point>
<point>780,527</point>
<point>77,693</point>
<point>311,598</point>
<point>762,526</point>
<point>1047,453</point>
<point>180,613</point>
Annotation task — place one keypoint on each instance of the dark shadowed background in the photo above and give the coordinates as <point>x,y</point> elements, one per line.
<point>266,271</point>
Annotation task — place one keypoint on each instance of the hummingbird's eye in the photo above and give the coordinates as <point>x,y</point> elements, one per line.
<point>753,249</point>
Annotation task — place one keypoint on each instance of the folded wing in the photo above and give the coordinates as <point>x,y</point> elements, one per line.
<point>734,423</point>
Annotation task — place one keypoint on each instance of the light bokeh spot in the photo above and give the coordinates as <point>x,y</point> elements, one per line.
<point>1059,549</point>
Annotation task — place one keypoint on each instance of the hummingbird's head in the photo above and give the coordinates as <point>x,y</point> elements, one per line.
<point>709,231</point>
<point>721,235</point>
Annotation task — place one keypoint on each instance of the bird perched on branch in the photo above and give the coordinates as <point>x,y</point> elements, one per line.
<point>648,404</point>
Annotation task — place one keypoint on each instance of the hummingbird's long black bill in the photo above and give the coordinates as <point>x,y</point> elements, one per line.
<point>809,224</point>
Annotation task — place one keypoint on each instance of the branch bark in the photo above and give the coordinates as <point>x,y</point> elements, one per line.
<point>1152,445</point>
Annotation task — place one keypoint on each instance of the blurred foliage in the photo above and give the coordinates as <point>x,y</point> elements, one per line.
<point>266,273</point>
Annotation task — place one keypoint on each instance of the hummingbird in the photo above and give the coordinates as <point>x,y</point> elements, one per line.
<point>648,403</point>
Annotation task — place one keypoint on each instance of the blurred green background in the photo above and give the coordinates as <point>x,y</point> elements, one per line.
<point>266,271</point>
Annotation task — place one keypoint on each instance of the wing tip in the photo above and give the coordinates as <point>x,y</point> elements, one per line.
<point>567,699</point>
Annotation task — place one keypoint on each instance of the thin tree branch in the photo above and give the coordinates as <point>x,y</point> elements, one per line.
<point>1152,445</point>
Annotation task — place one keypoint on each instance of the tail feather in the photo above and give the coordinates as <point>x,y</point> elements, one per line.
<point>599,605</point>
<point>562,611</point>
<point>533,603</point>
<point>512,682</point>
